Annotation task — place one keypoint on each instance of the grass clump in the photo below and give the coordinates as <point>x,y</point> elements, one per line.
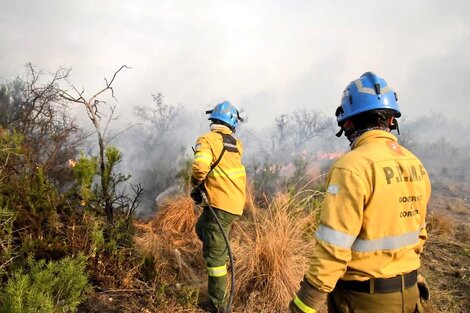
<point>440,224</point>
<point>171,239</point>
<point>176,216</point>
<point>272,254</point>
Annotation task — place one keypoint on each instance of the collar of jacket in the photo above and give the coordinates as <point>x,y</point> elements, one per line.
<point>220,129</point>
<point>372,135</point>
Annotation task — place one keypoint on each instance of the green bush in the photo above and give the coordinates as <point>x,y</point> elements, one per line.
<point>7,249</point>
<point>84,171</point>
<point>53,287</point>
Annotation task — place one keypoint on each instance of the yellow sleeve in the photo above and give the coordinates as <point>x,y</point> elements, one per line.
<point>340,223</point>
<point>202,161</point>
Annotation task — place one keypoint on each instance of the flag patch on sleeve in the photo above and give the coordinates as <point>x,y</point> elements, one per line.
<point>333,189</point>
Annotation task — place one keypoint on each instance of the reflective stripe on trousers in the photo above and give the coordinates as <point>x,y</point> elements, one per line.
<point>217,271</point>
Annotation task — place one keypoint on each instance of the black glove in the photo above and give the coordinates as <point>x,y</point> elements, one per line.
<point>196,195</point>
<point>424,292</point>
<point>307,296</point>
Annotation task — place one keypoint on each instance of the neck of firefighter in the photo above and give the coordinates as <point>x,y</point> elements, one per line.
<point>352,133</point>
<point>216,127</point>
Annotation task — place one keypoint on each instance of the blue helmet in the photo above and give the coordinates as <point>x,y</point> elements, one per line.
<point>224,112</point>
<point>369,92</point>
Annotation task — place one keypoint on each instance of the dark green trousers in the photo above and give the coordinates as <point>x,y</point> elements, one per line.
<point>214,250</point>
<point>345,301</point>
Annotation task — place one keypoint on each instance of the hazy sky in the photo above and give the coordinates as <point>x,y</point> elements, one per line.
<point>268,57</point>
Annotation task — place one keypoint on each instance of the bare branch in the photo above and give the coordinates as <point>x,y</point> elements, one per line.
<point>112,108</point>
<point>123,131</point>
<point>108,85</point>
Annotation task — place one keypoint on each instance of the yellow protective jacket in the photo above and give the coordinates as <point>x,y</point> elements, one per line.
<point>226,183</point>
<point>372,221</point>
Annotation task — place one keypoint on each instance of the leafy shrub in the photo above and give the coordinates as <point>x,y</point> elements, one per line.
<point>47,287</point>
<point>84,170</point>
<point>7,248</point>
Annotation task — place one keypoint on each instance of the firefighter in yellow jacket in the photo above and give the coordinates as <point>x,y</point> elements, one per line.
<point>218,171</point>
<point>372,221</point>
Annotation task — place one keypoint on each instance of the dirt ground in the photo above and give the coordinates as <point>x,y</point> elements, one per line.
<point>446,258</point>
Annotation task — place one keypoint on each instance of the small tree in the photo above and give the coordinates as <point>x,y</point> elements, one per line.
<point>281,131</point>
<point>157,146</point>
<point>162,118</point>
<point>306,125</point>
<point>291,132</point>
<point>92,106</point>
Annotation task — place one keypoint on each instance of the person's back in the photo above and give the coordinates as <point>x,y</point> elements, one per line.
<point>226,183</point>
<point>372,223</point>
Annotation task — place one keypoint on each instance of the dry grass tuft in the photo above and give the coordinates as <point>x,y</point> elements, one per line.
<point>463,232</point>
<point>458,205</point>
<point>271,257</point>
<point>440,224</point>
<point>250,206</point>
<point>171,241</point>
<point>176,216</point>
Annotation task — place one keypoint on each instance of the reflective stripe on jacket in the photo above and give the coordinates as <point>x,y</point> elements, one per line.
<point>226,183</point>
<point>372,221</point>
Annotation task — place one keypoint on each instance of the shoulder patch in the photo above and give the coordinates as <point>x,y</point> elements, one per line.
<point>333,189</point>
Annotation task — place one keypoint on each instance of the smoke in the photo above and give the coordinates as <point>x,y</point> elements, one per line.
<point>157,148</point>
<point>295,146</point>
<point>438,142</point>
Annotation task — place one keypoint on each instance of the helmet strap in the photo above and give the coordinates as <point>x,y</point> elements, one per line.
<point>340,133</point>
<point>395,125</point>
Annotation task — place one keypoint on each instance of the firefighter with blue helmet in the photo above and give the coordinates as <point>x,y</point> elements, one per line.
<point>372,221</point>
<point>217,169</point>
<point>225,113</point>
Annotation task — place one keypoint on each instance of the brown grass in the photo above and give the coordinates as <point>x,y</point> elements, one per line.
<point>271,255</point>
<point>440,224</point>
<point>458,205</point>
<point>271,247</point>
<point>171,241</point>
<point>176,216</point>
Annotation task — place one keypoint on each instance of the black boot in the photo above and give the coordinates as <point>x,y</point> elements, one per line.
<point>208,306</point>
